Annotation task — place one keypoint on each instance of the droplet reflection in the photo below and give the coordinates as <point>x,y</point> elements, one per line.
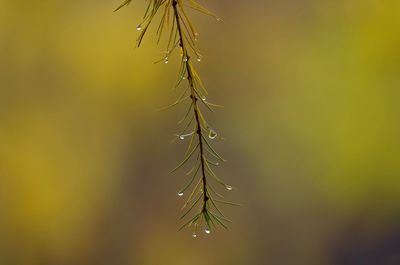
<point>212,134</point>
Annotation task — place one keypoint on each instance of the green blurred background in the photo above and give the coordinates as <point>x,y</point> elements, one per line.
<point>311,122</point>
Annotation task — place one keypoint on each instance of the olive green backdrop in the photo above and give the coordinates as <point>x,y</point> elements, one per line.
<point>311,127</point>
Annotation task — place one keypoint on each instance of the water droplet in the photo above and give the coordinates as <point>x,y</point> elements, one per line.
<point>166,60</point>
<point>182,77</point>
<point>217,164</point>
<point>139,28</point>
<point>182,137</point>
<point>199,59</point>
<point>203,98</point>
<point>219,19</point>
<point>185,59</point>
<point>207,231</point>
<point>228,187</point>
<point>194,235</point>
<point>180,194</point>
<point>212,134</point>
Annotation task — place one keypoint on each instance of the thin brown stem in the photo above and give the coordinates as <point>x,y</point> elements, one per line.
<point>193,96</point>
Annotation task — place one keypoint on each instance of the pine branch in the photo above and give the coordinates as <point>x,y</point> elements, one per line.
<point>183,36</point>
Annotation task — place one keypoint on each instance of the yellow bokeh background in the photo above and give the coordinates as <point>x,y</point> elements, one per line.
<point>311,126</point>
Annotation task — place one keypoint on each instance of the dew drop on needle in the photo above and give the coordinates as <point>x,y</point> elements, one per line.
<point>212,134</point>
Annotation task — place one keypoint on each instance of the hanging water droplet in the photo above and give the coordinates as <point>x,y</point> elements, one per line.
<point>180,194</point>
<point>166,60</point>
<point>212,134</point>
<point>217,164</point>
<point>185,59</point>
<point>203,98</point>
<point>182,137</point>
<point>199,59</point>
<point>139,28</point>
<point>182,77</point>
<point>228,187</point>
<point>207,230</point>
<point>194,235</point>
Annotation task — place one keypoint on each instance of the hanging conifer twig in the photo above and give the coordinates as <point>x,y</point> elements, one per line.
<point>182,36</point>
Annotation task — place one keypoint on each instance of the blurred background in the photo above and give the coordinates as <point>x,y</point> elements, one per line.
<point>311,122</point>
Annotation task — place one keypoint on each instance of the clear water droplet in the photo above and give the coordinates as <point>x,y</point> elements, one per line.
<point>166,60</point>
<point>194,235</point>
<point>139,28</point>
<point>217,164</point>
<point>199,59</point>
<point>185,59</point>
<point>203,98</point>
<point>207,231</point>
<point>180,194</point>
<point>228,187</point>
<point>212,134</point>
